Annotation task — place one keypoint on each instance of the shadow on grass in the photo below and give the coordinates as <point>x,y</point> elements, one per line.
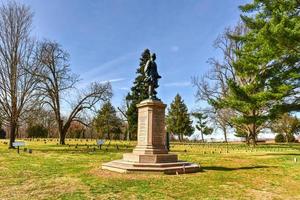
<point>220,168</point>
<point>279,154</point>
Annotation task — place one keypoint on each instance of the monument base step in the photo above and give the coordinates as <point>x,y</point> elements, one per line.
<point>123,166</point>
<point>150,158</point>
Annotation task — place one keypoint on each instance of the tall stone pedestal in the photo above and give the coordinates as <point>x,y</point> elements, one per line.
<point>151,154</point>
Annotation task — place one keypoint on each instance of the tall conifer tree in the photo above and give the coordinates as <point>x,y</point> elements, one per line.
<point>274,41</point>
<point>202,124</point>
<point>178,119</point>
<point>138,93</point>
<point>107,122</point>
<point>267,69</point>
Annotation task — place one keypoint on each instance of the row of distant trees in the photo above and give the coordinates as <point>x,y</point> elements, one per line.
<point>36,75</point>
<point>106,123</point>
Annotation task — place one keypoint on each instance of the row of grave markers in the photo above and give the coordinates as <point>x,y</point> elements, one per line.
<point>204,148</point>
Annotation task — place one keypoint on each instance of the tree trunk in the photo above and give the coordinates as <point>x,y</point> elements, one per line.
<point>252,139</point>
<point>62,133</point>
<point>247,139</point>
<point>62,140</point>
<point>180,136</point>
<point>253,142</point>
<point>225,134</point>
<point>62,137</point>
<point>12,137</point>
<point>202,137</point>
<point>13,117</point>
<point>128,134</point>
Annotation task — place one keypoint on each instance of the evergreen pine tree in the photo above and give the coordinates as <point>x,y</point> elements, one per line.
<point>267,68</point>
<point>178,119</point>
<point>138,93</point>
<point>274,42</point>
<point>107,122</point>
<point>202,124</point>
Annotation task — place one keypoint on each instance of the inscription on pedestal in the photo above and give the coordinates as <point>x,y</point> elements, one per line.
<point>142,129</point>
<point>151,127</point>
<point>158,128</point>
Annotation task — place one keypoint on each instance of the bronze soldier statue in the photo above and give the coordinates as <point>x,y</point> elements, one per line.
<point>152,77</point>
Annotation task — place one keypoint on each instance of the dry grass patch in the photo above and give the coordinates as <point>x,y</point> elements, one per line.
<point>108,175</point>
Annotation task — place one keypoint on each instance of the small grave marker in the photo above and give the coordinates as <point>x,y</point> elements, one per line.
<point>100,143</point>
<point>18,145</point>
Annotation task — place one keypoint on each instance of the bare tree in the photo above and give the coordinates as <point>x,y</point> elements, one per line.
<point>213,85</point>
<point>41,116</point>
<point>221,118</point>
<point>57,82</point>
<point>123,115</point>
<point>17,59</point>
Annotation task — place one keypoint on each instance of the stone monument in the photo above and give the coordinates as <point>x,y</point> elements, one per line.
<point>151,153</point>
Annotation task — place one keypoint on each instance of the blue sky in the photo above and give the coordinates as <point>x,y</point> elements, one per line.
<point>105,38</point>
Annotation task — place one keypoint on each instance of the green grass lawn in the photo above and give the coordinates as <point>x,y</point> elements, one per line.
<point>66,172</point>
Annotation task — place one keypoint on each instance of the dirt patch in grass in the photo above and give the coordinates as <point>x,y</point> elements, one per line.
<point>262,195</point>
<point>43,189</point>
<point>106,174</point>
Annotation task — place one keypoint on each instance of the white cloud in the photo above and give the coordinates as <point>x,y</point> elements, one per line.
<point>108,66</point>
<point>105,70</point>
<point>124,88</point>
<point>85,83</point>
<point>177,84</point>
<point>113,80</point>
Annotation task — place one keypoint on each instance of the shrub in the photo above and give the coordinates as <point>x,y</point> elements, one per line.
<point>2,134</point>
<point>279,138</point>
<point>291,138</point>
